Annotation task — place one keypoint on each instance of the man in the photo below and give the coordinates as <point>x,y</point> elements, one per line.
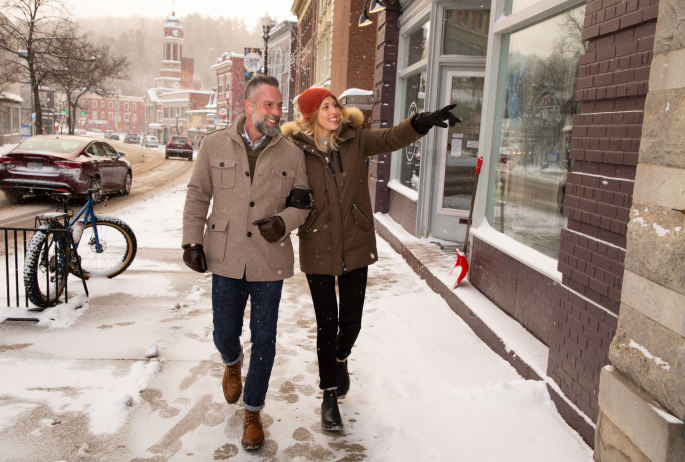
<point>258,182</point>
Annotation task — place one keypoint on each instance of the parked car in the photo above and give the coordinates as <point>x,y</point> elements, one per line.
<point>179,146</point>
<point>81,132</point>
<point>149,141</point>
<point>49,163</point>
<point>132,138</point>
<point>111,136</point>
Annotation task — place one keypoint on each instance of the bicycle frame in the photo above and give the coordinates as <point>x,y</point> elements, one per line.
<point>87,210</point>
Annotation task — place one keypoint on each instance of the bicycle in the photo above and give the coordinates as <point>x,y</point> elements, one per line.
<point>110,248</point>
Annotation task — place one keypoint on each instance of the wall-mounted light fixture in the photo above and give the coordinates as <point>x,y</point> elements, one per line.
<point>376,6</point>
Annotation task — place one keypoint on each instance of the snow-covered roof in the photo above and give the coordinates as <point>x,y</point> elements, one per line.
<point>11,97</point>
<point>222,63</point>
<point>356,92</point>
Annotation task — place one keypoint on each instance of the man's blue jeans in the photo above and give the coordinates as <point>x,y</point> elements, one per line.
<point>229,297</point>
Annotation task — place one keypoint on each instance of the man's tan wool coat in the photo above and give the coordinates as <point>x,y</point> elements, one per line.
<point>233,245</point>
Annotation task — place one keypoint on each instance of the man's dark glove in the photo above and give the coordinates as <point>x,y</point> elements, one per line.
<point>299,198</point>
<point>423,122</point>
<point>194,257</point>
<point>271,229</point>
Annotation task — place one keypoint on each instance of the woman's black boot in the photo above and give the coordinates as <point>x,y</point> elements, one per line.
<point>330,414</point>
<point>342,378</point>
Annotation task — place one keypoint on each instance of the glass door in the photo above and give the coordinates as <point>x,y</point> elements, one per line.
<point>457,152</point>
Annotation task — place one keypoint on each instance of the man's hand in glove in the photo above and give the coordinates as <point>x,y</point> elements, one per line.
<point>194,257</point>
<point>271,229</point>
<point>423,122</point>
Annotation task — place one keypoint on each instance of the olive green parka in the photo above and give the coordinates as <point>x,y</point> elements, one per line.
<point>338,235</point>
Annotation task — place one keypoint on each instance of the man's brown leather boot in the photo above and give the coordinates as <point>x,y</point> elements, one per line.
<point>253,434</point>
<point>232,383</point>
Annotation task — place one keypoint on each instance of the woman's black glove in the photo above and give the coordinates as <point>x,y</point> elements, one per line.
<point>299,198</point>
<point>271,229</point>
<point>423,122</point>
<point>194,257</point>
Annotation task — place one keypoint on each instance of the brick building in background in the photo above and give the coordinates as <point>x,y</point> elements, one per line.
<point>559,121</point>
<point>122,114</point>
<point>307,13</point>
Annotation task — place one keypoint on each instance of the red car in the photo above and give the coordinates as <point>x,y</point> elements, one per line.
<point>179,146</point>
<point>48,163</point>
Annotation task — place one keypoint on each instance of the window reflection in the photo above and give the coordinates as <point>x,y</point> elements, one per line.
<point>410,160</point>
<point>417,45</point>
<point>461,149</point>
<point>465,32</point>
<point>538,78</point>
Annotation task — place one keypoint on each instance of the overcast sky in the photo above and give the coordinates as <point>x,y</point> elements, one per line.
<point>247,10</point>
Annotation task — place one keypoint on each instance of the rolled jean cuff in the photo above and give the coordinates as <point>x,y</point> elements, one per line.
<point>231,363</point>
<point>252,408</point>
<point>342,360</point>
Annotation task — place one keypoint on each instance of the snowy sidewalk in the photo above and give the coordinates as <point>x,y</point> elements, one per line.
<point>423,385</point>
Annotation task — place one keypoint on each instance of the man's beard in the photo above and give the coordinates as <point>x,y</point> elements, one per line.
<point>263,128</point>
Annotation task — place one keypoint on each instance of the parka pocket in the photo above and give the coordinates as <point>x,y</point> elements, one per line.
<point>307,225</point>
<point>359,218</point>
<point>216,236</point>
<point>223,172</point>
<point>281,181</point>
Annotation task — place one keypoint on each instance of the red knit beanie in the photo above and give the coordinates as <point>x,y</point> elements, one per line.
<point>310,100</point>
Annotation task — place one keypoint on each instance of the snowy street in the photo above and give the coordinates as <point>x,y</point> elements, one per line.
<point>78,386</point>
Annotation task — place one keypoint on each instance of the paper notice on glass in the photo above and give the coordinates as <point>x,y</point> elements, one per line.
<point>456,147</point>
<point>472,144</point>
<point>457,135</point>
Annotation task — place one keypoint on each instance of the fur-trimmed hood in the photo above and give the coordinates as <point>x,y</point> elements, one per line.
<point>354,119</point>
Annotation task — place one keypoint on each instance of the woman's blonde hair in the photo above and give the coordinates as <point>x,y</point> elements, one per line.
<point>311,129</point>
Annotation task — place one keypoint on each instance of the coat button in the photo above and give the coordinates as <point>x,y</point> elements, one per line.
<point>212,226</point>
<point>247,173</point>
<point>249,234</point>
<point>283,173</point>
<point>221,164</point>
<point>251,204</point>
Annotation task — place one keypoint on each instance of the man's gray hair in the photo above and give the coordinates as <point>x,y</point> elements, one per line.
<point>256,82</point>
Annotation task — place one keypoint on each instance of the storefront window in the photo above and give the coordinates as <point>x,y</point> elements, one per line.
<point>417,45</point>
<point>465,32</point>
<point>410,160</point>
<point>533,121</point>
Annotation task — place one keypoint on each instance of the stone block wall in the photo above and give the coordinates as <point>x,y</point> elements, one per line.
<point>642,405</point>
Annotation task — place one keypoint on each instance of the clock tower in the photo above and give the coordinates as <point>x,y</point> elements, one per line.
<point>170,76</point>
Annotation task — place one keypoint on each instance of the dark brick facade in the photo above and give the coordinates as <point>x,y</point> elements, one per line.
<point>403,211</point>
<point>307,31</point>
<point>579,316</point>
<point>387,40</point>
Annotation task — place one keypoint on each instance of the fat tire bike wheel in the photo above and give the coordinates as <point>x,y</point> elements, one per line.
<point>118,248</point>
<point>45,252</point>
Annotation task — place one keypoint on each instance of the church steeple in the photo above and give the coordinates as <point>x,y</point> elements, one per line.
<point>172,54</point>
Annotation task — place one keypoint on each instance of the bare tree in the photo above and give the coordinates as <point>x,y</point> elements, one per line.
<point>30,29</point>
<point>85,67</point>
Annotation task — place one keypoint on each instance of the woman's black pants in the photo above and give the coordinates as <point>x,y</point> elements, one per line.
<point>337,329</point>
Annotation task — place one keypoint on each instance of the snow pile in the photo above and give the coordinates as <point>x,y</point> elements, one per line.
<point>65,386</point>
<point>59,317</point>
<point>196,293</point>
<point>152,351</point>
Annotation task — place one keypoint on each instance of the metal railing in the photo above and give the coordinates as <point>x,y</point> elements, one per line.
<point>12,290</point>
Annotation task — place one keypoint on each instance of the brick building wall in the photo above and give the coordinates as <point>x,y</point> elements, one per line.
<point>353,61</point>
<point>236,98</point>
<point>578,318</point>
<point>387,41</point>
<point>307,33</point>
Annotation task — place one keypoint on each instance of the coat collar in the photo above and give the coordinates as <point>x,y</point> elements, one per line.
<point>346,130</point>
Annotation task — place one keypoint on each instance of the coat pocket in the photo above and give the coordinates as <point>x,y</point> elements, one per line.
<point>307,225</point>
<point>359,218</point>
<point>223,172</point>
<point>281,181</point>
<point>281,255</point>
<point>216,236</point>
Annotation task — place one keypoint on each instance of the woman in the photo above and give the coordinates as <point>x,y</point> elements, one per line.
<point>338,238</point>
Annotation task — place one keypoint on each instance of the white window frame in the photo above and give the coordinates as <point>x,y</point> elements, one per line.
<point>420,16</point>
